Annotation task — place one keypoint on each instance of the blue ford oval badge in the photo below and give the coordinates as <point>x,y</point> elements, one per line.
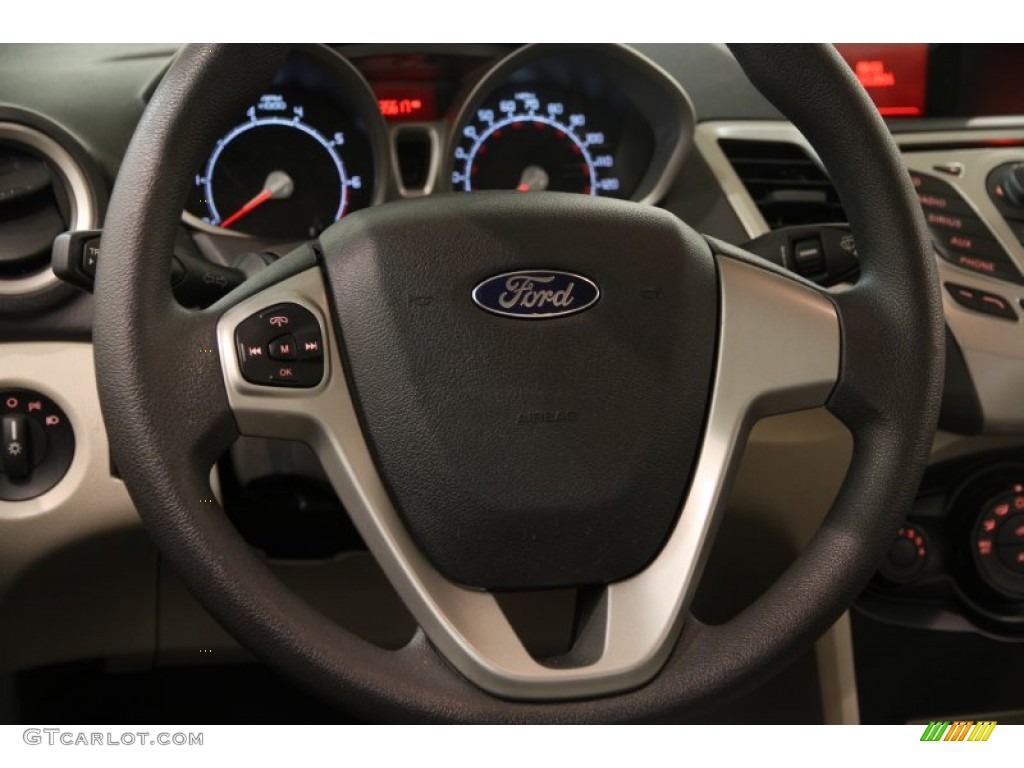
<point>536,294</point>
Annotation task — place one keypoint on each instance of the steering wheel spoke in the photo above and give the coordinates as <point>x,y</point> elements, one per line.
<point>779,338</point>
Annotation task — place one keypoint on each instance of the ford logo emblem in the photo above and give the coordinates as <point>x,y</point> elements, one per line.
<point>536,294</point>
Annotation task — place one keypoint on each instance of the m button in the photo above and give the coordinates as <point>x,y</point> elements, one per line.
<point>283,348</point>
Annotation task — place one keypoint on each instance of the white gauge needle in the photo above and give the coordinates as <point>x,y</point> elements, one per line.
<point>278,186</point>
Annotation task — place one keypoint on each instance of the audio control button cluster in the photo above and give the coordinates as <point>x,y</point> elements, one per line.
<point>281,347</point>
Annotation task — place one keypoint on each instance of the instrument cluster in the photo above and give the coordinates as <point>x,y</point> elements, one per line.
<point>335,133</point>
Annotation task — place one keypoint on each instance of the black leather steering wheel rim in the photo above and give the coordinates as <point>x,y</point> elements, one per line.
<point>164,402</point>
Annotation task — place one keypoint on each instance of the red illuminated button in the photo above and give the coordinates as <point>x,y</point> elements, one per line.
<point>1000,269</point>
<point>282,348</point>
<point>968,297</point>
<point>944,203</point>
<point>937,195</point>
<point>944,222</point>
<point>996,305</point>
<point>970,244</point>
<point>984,546</point>
<point>907,556</point>
<point>981,301</point>
<point>309,344</point>
<point>284,373</point>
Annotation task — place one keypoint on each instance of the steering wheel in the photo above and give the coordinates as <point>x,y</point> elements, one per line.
<point>476,451</point>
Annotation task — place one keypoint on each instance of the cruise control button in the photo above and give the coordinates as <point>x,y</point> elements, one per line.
<point>283,348</point>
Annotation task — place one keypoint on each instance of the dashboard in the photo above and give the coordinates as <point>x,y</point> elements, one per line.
<point>342,128</point>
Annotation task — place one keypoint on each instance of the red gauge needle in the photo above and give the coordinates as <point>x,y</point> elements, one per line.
<point>534,179</point>
<point>278,186</point>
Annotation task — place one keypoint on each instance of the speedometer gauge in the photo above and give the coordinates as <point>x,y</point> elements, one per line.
<point>591,119</point>
<point>531,144</point>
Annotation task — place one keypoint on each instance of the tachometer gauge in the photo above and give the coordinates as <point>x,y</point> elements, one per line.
<point>310,150</point>
<point>276,175</point>
<point>525,142</point>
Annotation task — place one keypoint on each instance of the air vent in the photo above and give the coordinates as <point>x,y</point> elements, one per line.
<point>787,186</point>
<point>43,192</point>
<point>33,211</point>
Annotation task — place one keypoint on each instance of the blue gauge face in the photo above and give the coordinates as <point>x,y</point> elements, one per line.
<point>277,175</point>
<point>531,144</point>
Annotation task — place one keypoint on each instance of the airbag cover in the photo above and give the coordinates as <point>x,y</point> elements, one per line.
<point>527,452</point>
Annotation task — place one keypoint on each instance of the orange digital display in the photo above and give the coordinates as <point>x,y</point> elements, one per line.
<point>408,102</point>
<point>895,75</point>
